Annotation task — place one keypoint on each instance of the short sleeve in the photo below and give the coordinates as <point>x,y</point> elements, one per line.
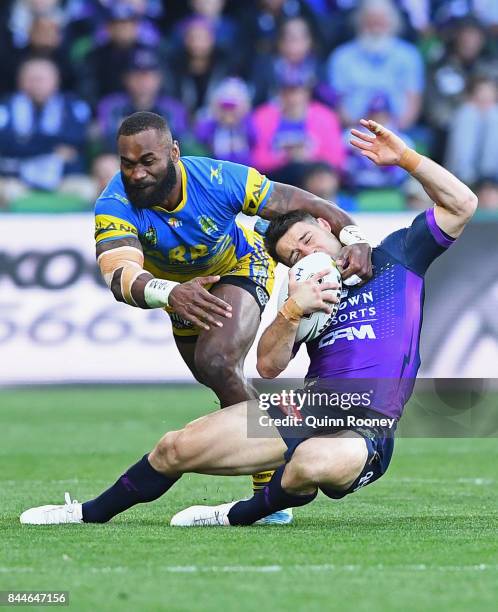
<point>248,190</point>
<point>417,246</point>
<point>114,219</point>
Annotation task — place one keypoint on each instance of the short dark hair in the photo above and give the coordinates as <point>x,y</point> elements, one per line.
<point>279,226</point>
<point>142,121</point>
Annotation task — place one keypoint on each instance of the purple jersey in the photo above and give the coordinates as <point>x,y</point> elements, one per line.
<point>376,331</point>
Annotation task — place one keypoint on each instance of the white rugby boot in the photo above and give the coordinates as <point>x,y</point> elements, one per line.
<point>70,512</point>
<point>203,516</point>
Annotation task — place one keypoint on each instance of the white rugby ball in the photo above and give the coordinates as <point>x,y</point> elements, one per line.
<point>312,325</point>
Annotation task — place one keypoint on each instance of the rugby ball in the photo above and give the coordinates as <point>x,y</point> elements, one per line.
<point>312,325</point>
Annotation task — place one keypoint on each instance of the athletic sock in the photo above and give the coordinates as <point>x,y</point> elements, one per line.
<point>260,480</point>
<point>140,483</point>
<point>272,498</point>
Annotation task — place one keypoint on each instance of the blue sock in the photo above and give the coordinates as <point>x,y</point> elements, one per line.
<point>272,498</point>
<point>140,483</point>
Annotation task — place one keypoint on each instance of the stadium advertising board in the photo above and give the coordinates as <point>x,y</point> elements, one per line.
<point>60,323</point>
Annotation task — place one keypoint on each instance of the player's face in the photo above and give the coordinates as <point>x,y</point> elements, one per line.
<point>304,238</point>
<point>148,167</point>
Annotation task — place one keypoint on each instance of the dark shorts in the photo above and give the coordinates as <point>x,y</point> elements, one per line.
<point>188,332</point>
<point>379,441</point>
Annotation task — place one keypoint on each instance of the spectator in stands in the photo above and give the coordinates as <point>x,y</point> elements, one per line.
<point>445,10</point>
<point>293,129</point>
<point>486,190</point>
<point>142,83</point>
<point>42,135</point>
<point>263,18</point>
<point>226,128</point>
<point>360,172</point>
<point>104,167</point>
<point>24,12</point>
<point>102,70</point>
<point>16,35</point>
<point>472,150</point>
<point>294,50</point>
<point>199,66</point>
<point>465,57</point>
<point>377,61</point>
<point>88,16</point>
<point>46,39</point>
<point>225,29</point>
<point>323,180</point>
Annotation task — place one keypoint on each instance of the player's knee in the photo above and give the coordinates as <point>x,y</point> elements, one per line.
<point>346,463</point>
<point>336,463</point>
<point>168,455</point>
<point>217,367</point>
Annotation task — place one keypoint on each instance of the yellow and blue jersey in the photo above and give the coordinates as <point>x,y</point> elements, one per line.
<point>200,236</point>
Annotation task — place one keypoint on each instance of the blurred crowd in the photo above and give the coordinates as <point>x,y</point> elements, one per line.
<point>276,84</point>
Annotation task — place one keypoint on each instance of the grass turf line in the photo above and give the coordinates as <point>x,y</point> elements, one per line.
<point>422,538</point>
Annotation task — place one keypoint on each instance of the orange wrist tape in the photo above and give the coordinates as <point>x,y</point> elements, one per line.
<point>291,311</point>
<point>409,160</point>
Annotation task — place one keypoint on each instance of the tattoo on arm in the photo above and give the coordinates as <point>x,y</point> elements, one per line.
<point>280,201</point>
<point>286,198</point>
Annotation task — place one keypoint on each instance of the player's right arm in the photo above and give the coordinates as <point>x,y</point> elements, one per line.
<point>454,202</point>
<point>275,347</point>
<point>121,263</point>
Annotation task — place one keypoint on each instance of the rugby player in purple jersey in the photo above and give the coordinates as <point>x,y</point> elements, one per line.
<point>374,336</point>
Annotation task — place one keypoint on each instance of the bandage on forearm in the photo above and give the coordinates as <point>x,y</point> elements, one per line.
<point>291,311</point>
<point>409,160</point>
<point>352,234</point>
<point>121,267</point>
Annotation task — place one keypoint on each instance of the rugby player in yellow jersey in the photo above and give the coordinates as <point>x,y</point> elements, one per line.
<point>167,237</point>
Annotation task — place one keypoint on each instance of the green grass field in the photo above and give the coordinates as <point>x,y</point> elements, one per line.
<point>422,538</point>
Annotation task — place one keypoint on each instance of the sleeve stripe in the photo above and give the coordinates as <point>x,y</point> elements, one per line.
<point>108,226</point>
<point>257,189</point>
<point>439,236</point>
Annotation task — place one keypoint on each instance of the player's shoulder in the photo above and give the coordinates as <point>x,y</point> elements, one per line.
<point>212,171</point>
<point>113,199</point>
<point>417,245</point>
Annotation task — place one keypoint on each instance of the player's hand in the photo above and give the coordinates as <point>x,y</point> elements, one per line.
<point>311,295</point>
<point>355,259</point>
<point>382,146</point>
<point>192,301</point>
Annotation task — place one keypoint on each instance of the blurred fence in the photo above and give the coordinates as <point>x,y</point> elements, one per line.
<point>60,323</point>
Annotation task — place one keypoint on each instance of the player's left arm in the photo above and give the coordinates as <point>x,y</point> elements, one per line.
<point>454,202</point>
<point>275,347</point>
<point>355,257</point>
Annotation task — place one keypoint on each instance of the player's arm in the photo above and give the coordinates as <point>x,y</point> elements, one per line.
<point>121,262</point>
<point>454,202</point>
<point>277,342</point>
<point>355,257</point>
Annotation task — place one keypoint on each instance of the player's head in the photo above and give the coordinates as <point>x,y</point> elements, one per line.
<point>148,155</point>
<point>297,234</point>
